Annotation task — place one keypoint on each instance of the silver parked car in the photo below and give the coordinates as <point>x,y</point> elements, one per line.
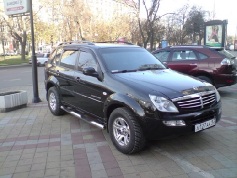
<point>42,59</point>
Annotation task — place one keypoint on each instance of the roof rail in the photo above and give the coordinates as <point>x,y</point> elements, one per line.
<point>76,42</point>
<point>122,42</point>
<point>185,46</point>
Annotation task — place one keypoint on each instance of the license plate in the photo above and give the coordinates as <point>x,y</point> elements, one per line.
<point>205,125</point>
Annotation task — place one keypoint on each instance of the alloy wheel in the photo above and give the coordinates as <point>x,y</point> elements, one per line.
<point>121,131</point>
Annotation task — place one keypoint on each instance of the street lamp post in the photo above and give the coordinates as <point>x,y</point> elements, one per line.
<point>36,98</point>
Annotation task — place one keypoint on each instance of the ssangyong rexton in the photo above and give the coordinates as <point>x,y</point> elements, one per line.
<point>126,90</point>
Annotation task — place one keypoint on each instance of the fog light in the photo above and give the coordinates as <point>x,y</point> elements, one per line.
<point>174,123</point>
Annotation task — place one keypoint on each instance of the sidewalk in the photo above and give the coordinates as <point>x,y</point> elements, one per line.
<point>34,143</point>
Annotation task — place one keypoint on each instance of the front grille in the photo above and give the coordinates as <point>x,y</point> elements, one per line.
<point>196,101</point>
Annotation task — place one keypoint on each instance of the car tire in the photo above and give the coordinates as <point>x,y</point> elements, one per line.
<point>207,79</point>
<point>125,132</point>
<point>54,102</point>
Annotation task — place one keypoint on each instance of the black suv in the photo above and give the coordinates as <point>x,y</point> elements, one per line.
<point>124,88</point>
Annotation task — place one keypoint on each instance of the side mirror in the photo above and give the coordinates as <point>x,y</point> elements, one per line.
<point>90,71</point>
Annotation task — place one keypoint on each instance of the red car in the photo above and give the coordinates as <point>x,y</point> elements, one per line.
<point>216,66</point>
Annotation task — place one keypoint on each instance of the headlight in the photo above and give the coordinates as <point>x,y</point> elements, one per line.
<point>163,105</point>
<point>218,97</point>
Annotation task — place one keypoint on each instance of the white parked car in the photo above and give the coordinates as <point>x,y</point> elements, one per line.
<point>42,59</point>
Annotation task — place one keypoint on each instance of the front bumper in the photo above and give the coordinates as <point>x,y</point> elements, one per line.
<point>155,129</point>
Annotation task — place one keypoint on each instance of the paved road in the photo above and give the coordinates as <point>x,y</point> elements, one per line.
<point>18,76</point>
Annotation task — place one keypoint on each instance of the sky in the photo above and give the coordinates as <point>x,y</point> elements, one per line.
<point>224,10</point>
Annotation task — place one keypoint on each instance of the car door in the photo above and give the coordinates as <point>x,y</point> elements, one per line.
<point>89,91</point>
<point>65,75</point>
<point>184,60</point>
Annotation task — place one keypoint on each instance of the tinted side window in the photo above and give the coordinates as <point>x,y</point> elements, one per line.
<point>202,56</point>
<point>162,56</point>
<point>86,59</point>
<point>69,59</point>
<point>184,55</point>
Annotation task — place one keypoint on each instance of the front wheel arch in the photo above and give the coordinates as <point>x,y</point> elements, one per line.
<point>125,131</point>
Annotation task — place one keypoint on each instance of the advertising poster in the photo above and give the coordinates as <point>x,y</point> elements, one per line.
<point>214,35</point>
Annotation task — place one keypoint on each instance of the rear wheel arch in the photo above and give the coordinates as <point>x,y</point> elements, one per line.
<point>54,101</point>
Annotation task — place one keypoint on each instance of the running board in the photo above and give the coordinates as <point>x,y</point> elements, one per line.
<point>88,120</point>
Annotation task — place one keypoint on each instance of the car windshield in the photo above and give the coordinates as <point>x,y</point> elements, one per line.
<point>129,59</point>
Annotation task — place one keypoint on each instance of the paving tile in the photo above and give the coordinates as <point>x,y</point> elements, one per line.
<point>67,163</point>
<point>27,156</point>
<point>8,164</point>
<point>4,171</point>
<point>13,157</point>
<point>23,162</point>
<point>40,160</point>
<point>25,168</point>
<point>39,166</point>
<point>68,171</point>
<point>97,166</point>
<point>114,172</point>
<point>52,172</point>
<point>20,175</point>
<point>55,164</point>
<point>99,174</point>
<point>36,174</point>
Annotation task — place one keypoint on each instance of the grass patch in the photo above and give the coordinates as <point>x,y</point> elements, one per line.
<point>13,60</point>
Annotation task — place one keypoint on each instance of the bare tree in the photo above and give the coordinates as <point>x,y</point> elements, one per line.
<point>148,22</point>
<point>175,23</point>
<point>17,28</point>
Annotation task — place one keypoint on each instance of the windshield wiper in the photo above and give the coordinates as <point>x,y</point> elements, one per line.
<point>123,71</point>
<point>150,67</point>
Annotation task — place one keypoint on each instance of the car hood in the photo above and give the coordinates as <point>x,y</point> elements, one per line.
<point>170,83</point>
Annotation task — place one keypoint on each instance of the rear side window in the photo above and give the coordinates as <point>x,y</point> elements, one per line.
<point>69,59</point>
<point>184,55</point>
<point>202,56</point>
<point>162,55</point>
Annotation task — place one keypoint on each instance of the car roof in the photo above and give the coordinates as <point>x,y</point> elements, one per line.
<point>188,47</point>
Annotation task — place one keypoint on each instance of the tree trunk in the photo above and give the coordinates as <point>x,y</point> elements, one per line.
<point>23,46</point>
<point>3,49</point>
